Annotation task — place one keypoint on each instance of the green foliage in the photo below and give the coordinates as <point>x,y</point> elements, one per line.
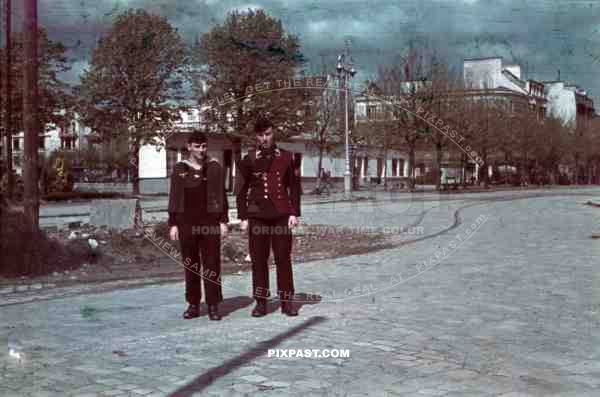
<point>57,176</point>
<point>134,87</point>
<point>249,48</point>
<point>18,186</point>
<point>53,97</point>
<point>135,76</point>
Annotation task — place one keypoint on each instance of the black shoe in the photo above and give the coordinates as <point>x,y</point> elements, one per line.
<point>192,311</point>
<point>260,309</point>
<point>213,313</point>
<point>288,308</point>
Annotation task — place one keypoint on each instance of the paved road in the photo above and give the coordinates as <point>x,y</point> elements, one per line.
<point>500,297</point>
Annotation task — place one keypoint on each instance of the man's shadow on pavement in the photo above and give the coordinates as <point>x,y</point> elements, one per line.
<point>301,299</point>
<point>229,305</point>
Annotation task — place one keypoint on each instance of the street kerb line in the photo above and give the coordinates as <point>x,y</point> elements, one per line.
<point>318,296</point>
<point>419,272</point>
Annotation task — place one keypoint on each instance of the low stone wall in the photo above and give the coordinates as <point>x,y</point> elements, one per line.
<point>104,187</point>
<point>155,185</point>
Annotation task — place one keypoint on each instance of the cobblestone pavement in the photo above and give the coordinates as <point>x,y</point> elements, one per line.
<point>499,297</point>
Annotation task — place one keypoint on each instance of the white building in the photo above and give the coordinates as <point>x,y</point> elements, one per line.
<point>489,73</point>
<point>570,104</point>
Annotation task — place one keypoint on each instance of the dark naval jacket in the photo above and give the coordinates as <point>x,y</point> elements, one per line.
<point>270,186</point>
<point>197,196</point>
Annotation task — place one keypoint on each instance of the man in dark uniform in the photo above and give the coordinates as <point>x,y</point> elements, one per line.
<point>268,205</point>
<point>198,217</point>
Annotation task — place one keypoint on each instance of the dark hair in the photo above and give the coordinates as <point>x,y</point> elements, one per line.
<point>197,136</point>
<point>262,124</point>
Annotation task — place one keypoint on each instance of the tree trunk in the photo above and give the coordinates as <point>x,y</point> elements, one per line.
<point>484,170</point>
<point>237,158</point>
<point>135,170</point>
<point>30,112</point>
<point>411,167</point>
<point>319,166</point>
<point>438,165</point>
<point>576,173</point>
<point>8,103</point>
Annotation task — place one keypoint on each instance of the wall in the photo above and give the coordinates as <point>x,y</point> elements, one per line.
<point>482,73</point>
<point>153,163</point>
<point>103,187</point>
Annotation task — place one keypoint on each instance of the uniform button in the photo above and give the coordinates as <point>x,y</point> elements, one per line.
<point>279,197</point>
<point>266,184</point>
<point>279,184</point>
<point>266,196</point>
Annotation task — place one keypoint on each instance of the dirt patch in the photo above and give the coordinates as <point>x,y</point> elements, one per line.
<point>106,256</point>
<point>24,252</point>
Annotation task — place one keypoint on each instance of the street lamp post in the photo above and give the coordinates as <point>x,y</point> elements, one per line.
<point>345,71</point>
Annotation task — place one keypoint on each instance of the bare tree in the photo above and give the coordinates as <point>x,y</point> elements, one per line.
<point>406,84</point>
<point>322,126</point>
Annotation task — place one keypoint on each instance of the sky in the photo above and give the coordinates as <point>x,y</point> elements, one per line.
<point>541,35</point>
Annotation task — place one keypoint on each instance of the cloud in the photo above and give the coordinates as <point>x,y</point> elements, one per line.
<point>547,35</point>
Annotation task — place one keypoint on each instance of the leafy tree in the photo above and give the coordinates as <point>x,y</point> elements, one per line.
<point>135,85</point>
<point>54,94</point>
<point>240,62</point>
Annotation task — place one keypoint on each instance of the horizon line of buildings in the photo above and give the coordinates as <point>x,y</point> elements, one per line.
<point>482,77</point>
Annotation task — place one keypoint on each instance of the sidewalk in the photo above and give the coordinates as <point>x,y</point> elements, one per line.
<point>508,313</point>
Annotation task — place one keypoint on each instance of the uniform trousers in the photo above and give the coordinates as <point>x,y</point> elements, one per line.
<point>263,235</point>
<point>202,241</point>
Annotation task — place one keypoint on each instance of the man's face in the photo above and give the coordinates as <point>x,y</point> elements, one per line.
<point>264,139</point>
<point>197,150</point>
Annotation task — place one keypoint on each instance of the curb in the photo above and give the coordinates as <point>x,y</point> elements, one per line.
<point>56,292</point>
<point>17,288</point>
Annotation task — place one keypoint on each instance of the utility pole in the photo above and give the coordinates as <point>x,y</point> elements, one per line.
<point>345,71</point>
<point>30,116</point>
<point>8,103</point>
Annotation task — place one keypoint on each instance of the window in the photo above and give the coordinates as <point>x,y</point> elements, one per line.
<point>379,167</point>
<point>67,143</point>
<point>394,167</point>
<point>371,112</point>
<point>42,142</point>
<point>16,144</point>
<point>400,167</point>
